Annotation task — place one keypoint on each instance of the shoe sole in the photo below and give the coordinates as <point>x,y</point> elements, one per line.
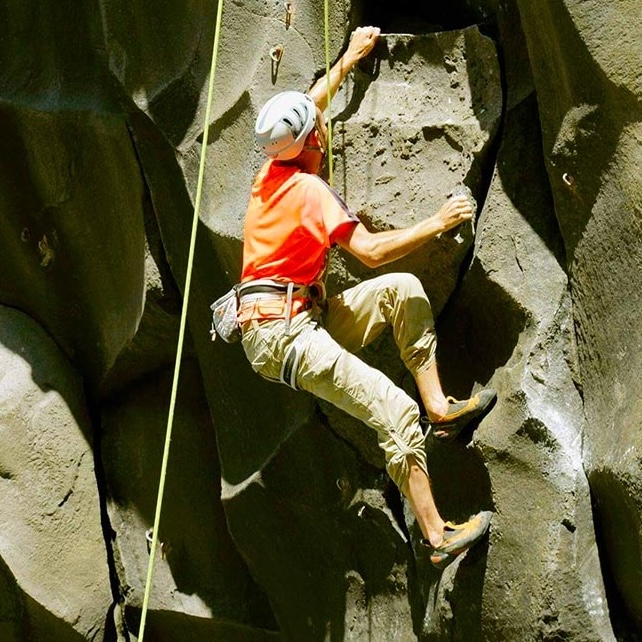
<point>441,560</point>
<point>463,544</point>
<point>452,428</point>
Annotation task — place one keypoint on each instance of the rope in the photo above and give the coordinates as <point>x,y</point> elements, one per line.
<point>326,13</point>
<point>181,334</point>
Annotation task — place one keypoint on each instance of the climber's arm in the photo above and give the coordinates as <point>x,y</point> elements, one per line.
<point>378,248</point>
<point>362,41</point>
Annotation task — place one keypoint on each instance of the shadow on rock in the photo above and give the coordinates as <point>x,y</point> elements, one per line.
<point>171,625</point>
<point>322,540</point>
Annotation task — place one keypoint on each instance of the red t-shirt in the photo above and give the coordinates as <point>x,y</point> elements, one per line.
<point>291,221</point>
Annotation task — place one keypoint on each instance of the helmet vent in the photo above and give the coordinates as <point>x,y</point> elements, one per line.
<point>283,124</point>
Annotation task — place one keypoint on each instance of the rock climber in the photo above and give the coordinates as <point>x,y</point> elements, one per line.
<point>292,333</point>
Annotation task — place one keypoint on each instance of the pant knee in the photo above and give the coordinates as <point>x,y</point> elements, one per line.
<point>404,450</point>
<point>411,284</point>
<point>404,285</point>
<point>416,335</point>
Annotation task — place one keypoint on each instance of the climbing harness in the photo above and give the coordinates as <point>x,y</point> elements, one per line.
<point>290,365</point>
<point>181,334</point>
<point>267,289</point>
<point>263,289</point>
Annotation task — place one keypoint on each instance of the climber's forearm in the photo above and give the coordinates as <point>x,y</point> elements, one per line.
<point>362,41</point>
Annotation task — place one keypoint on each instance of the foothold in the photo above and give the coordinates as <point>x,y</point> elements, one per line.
<point>568,179</point>
<point>276,53</point>
<point>26,235</point>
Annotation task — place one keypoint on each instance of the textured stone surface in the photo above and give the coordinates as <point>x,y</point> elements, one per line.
<point>52,549</point>
<point>543,559</point>
<point>73,236</point>
<point>586,64</point>
<point>419,122</point>
<point>198,571</point>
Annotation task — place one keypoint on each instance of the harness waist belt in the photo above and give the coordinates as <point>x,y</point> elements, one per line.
<point>267,286</point>
<point>315,290</point>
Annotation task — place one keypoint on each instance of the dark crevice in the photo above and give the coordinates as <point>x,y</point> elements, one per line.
<point>162,304</point>
<point>483,169</point>
<point>620,620</point>
<point>409,16</point>
<point>109,534</point>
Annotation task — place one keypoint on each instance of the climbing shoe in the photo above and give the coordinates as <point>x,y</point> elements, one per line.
<point>458,538</point>
<point>460,414</point>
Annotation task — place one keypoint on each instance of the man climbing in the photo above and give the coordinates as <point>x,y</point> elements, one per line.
<point>293,334</point>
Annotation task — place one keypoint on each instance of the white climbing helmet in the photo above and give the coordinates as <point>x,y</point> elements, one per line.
<point>284,123</point>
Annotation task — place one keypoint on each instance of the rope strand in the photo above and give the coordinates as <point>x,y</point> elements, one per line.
<point>326,13</point>
<point>181,334</point>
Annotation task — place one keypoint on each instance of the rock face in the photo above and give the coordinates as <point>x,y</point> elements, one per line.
<point>54,562</point>
<point>421,118</point>
<point>279,521</point>
<point>589,97</point>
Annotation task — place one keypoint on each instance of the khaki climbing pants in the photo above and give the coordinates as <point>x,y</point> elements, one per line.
<point>327,367</point>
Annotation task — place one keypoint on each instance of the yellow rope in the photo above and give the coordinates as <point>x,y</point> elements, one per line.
<point>327,72</point>
<point>181,334</point>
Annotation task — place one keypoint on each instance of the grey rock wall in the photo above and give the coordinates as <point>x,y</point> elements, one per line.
<point>73,236</point>
<point>543,560</point>
<point>588,86</point>
<point>49,505</point>
<point>279,521</point>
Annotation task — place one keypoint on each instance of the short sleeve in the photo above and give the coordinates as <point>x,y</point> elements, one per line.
<point>335,212</point>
